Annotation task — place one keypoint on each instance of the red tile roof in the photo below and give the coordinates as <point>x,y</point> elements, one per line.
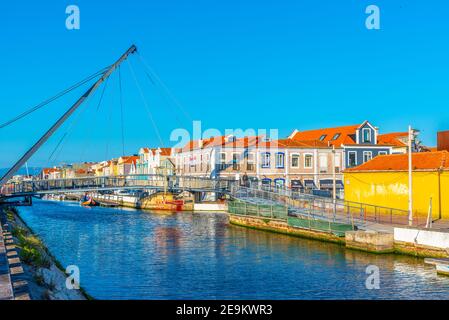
<point>399,162</point>
<point>346,135</point>
<point>393,139</point>
<point>129,159</point>
<point>165,152</point>
<point>254,141</point>
<point>207,142</point>
<point>289,143</point>
<point>50,170</point>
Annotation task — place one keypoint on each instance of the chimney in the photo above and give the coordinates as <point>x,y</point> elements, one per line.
<point>443,140</point>
<point>200,143</point>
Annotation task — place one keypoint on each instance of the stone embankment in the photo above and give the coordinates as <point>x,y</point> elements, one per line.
<point>417,242</point>
<point>35,274</point>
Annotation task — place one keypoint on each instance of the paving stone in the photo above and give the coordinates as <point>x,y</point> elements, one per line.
<point>12,261</point>
<point>23,296</point>
<point>16,270</point>
<point>11,253</point>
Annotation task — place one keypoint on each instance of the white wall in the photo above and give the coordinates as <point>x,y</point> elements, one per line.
<point>429,238</point>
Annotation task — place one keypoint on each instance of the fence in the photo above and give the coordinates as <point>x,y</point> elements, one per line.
<point>341,210</point>
<point>126,181</point>
<point>307,220</point>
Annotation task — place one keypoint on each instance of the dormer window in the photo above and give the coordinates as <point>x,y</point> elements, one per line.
<point>366,135</point>
<point>323,137</point>
<point>336,136</point>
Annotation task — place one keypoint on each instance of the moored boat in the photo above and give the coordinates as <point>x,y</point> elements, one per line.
<point>88,201</point>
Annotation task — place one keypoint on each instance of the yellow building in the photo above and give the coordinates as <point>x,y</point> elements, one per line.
<point>383,181</point>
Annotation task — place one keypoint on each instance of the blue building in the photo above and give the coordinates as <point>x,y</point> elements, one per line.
<point>359,143</point>
<point>364,146</point>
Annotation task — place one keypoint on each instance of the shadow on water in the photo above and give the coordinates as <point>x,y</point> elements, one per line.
<point>133,254</point>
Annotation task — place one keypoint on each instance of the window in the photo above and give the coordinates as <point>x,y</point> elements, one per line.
<point>235,162</point>
<point>382,153</point>
<point>366,135</point>
<point>352,159</point>
<point>207,163</point>
<point>266,160</point>
<point>279,183</point>
<point>367,156</point>
<point>323,163</point>
<point>295,161</point>
<point>250,162</point>
<point>337,163</point>
<point>323,137</point>
<point>308,161</point>
<point>336,136</point>
<point>280,160</point>
<point>222,161</point>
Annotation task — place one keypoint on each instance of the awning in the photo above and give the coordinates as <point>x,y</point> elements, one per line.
<point>309,184</point>
<point>297,184</point>
<point>266,181</point>
<point>329,184</point>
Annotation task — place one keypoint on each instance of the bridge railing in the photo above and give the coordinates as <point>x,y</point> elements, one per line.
<point>339,209</point>
<point>116,182</point>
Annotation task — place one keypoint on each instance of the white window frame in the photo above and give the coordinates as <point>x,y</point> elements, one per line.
<point>291,159</point>
<point>363,135</point>
<point>264,157</point>
<point>370,153</point>
<point>337,160</point>
<point>349,157</point>
<point>325,157</point>
<point>311,162</point>
<point>223,161</point>
<point>278,157</point>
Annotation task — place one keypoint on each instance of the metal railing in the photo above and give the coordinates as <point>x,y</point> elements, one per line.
<point>309,219</point>
<point>136,181</point>
<point>337,210</point>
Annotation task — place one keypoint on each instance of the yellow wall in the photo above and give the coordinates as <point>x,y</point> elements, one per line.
<point>390,189</point>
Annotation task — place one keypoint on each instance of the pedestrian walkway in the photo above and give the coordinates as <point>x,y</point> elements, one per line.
<point>6,291</point>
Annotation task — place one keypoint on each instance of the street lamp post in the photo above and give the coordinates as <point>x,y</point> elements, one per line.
<point>411,137</point>
<point>334,183</point>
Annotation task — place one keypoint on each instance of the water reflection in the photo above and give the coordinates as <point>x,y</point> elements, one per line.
<point>129,254</point>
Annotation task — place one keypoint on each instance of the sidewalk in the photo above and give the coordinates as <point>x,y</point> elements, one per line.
<point>6,292</point>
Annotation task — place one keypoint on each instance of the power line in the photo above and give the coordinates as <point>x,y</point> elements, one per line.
<point>146,104</point>
<point>57,96</point>
<point>162,84</point>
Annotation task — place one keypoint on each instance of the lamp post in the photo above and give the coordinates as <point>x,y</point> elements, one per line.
<point>334,183</point>
<point>411,137</point>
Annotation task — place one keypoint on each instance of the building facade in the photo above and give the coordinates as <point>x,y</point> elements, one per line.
<point>358,142</point>
<point>283,163</point>
<point>383,181</point>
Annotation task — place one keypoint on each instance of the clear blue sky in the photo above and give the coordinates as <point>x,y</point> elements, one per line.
<point>231,64</point>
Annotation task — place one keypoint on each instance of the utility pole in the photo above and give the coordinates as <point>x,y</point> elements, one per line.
<point>334,175</point>
<point>334,182</point>
<point>410,177</point>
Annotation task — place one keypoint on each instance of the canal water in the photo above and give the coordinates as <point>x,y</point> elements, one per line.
<point>132,254</point>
